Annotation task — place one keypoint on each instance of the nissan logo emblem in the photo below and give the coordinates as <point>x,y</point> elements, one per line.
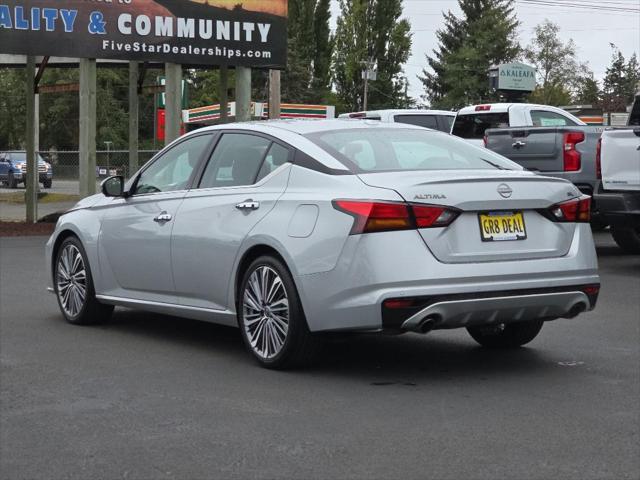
<point>504,190</point>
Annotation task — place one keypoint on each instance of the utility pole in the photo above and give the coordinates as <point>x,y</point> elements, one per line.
<point>367,74</point>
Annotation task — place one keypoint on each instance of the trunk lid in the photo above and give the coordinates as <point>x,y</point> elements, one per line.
<point>475,192</point>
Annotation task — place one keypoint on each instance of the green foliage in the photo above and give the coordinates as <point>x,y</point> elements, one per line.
<point>371,31</point>
<point>560,74</point>
<point>588,91</point>
<point>12,108</point>
<point>620,82</point>
<point>59,112</point>
<point>468,46</point>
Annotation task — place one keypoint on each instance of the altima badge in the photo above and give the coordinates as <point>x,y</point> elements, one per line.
<point>504,190</point>
<point>429,196</point>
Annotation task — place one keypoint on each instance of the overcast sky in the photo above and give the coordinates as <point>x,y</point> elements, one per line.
<point>591,28</point>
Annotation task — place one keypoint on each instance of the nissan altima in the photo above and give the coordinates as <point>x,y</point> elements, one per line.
<point>292,229</point>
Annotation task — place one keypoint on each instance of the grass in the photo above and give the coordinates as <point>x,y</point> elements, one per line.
<point>43,197</point>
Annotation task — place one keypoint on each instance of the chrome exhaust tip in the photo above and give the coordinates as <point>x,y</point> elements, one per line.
<point>576,310</point>
<point>428,324</point>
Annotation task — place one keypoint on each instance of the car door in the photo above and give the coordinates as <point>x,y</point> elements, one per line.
<point>241,182</point>
<point>4,166</point>
<point>135,236</point>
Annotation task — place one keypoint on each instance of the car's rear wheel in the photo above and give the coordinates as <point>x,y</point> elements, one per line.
<point>627,238</point>
<point>506,336</point>
<point>73,286</point>
<point>271,318</point>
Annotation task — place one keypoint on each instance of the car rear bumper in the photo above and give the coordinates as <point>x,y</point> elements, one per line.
<point>396,265</point>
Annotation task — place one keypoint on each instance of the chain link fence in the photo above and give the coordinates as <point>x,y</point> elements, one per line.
<point>59,178</point>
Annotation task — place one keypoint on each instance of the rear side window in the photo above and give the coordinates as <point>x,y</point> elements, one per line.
<point>474,125</point>
<point>276,156</point>
<point>236,161</point>
<point>541,118</point>
<point>427,121</point>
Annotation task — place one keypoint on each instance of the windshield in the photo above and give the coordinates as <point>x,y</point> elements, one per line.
<point>22,157</point>
<point>377,150</point>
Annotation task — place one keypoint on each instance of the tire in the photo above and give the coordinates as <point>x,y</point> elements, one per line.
<point>274,329</point>
<point>627,238</point>
<point>47,183</point>
<point>12,182</point>
<point>76,308</point>
<point>511,335</point>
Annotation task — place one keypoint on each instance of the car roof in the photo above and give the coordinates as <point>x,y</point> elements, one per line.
<point>307,126</point>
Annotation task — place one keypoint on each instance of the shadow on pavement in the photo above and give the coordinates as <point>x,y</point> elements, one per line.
<point>379,359</point>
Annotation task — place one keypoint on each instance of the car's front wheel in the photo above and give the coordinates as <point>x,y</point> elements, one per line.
<point>11,181</point>
<point>73,286</point>
<point>510,335</point>
<point>271,318</point>
<point>47,184</point>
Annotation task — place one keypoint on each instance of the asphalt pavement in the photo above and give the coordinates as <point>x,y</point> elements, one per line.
<point>152,397</point>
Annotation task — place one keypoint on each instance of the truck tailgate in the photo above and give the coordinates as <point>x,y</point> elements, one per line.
<point>535,148</point>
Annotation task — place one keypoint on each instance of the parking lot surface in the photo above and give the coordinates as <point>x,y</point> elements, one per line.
<point>150,396</point>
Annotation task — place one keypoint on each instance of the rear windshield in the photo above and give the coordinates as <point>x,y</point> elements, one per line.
<point>378,150</point>
<point>427,121</point>
<point>473,125</point>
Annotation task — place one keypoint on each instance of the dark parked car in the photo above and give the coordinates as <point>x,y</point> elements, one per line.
<point>13,170</point>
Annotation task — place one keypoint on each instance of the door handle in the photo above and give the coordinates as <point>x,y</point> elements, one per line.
<point>518,144</point>
<point>248,205</point>
<point>163,217</point>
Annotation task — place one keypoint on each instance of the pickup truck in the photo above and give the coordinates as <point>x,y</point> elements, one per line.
<point>618,194</point>
<point>472,122</point>
<point>435,119</point>
<point>563,152</point>
<point>13,169</point>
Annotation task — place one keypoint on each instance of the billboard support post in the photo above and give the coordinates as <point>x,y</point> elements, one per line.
<point>274,94</point>
<point>223,93</point>
<point>243,94</point>
<point>87,142</point>
<point>173,106</point>
<point>133,118</point>
<point>32,164</point>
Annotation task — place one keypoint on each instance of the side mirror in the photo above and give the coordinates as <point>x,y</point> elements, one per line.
<point>113,186</point>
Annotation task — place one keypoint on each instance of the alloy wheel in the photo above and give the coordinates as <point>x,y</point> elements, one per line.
<point>71,280</point>
<point>265,312</point>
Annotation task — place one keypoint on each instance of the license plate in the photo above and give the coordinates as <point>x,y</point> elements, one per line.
<point>502,226</point>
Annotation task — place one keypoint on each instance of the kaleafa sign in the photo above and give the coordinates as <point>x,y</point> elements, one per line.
<point>516,76</point>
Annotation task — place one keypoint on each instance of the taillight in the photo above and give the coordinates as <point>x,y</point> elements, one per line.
<point>370,216</point>
<point>571,155</point>
<point>485,140</point>
<point>576,210</point>
<point>483,108</point>
<point>429,216</point>
<point>598,157</point>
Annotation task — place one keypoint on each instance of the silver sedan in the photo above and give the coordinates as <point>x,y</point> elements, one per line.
<point>291,229</point>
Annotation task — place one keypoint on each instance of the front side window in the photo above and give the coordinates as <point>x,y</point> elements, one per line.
<point>378,150</point>
<point>541,118</point>
<point>171,171</point>
<point>235,161</point>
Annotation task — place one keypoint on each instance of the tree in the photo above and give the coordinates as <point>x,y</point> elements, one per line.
<point>588,92</point>
<point>559,72</point>
<point>323,42</point>
<point>468,46</point>
<point>620,82</point>
<point>371,32</point>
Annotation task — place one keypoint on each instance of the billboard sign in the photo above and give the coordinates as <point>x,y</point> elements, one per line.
<point>193,32</point>
<point>516,76</point>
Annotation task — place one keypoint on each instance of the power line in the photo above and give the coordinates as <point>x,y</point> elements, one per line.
<point>585,6</point>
